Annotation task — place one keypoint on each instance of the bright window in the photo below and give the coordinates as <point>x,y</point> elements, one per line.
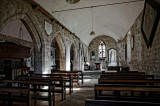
<point>102,50</point>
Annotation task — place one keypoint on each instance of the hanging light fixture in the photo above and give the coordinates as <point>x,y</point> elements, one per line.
<point>92,33</point>
<point>72,1</point>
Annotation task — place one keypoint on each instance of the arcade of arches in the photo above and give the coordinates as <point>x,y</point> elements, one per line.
<point>31,37</point>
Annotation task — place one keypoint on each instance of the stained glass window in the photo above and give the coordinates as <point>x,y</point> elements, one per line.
<point>102,49</point>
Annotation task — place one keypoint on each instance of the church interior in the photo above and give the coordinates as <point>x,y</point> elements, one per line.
<point>79,52</point>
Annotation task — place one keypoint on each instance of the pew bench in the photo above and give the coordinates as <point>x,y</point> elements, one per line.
<point>124,73</point>
<point>93,102</point>
<point>35,90</point>
<point>127,76</point>
<point>74,75</point>
<point>116,68</point>
<point>74,71</point>
<point>67,78</point>
<point>80,73</point>
<point>8,94</point>
<point>118,89</point>
<point>57,82</point>
<point>129,81</point>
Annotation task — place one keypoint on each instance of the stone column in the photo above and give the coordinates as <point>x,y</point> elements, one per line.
<point>62,60</point>
<point>80,59</point>
<point>37,60</point>
<point>76,65</point>
<point>42,57</point>
<point>67,58</point>
<point>46,63</point>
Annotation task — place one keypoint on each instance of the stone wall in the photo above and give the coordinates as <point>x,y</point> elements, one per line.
<point>142,58</point>
<point>94,46</point>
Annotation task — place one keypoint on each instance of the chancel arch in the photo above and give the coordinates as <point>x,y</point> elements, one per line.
<point>98,51</point>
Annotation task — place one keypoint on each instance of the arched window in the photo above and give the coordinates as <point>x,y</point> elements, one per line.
<point>102,50</point>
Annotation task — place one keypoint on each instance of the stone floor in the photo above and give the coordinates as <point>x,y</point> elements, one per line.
<point>85,91</point>
<point>77,98</point>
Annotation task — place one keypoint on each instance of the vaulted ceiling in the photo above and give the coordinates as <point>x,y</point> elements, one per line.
<point>110,17</point>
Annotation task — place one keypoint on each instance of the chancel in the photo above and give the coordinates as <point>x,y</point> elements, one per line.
<point>79,52</point>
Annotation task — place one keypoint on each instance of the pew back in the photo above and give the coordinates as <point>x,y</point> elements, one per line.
<point>127,76</point>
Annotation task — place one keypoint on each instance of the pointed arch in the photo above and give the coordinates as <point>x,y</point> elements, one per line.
<point>28,24</point>
<point>61,47</point>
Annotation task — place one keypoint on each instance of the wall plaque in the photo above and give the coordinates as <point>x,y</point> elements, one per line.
<point>48,27</point>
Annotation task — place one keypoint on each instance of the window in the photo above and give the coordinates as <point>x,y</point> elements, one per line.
<point>102,50</point>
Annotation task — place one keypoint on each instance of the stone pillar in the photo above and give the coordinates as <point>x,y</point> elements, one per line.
<point>80,59</point>
<point>46,63</point>
<point>42,57</point>
<point>76,65</point>
<point>62,60</point>
<point>67,58</point>
<point>37,60</point>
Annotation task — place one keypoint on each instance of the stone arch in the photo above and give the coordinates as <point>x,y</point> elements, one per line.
<point>109,42</point>
<point>34,35</point>
<point>93,46</point>
<point>61,46</point>
<point>21,9</point>
<point>28,23</point>
<point>62,52</point>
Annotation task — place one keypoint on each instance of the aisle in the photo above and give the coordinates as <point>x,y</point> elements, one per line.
<point>85,91</point>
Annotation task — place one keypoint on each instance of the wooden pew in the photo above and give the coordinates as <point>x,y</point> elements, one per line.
<point>128,81</point>
<point>119,88</point>
<point>127,76</point>
<point>124,73</point>
<point>35,84</point>
<point>74,74</point>
<point>117,68</point>
<point>93,102</point>
<point>55,81</point>
<point>66,78</point>
<point>80,73</point>
<point>10,95</point>
<point>125,69</point>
